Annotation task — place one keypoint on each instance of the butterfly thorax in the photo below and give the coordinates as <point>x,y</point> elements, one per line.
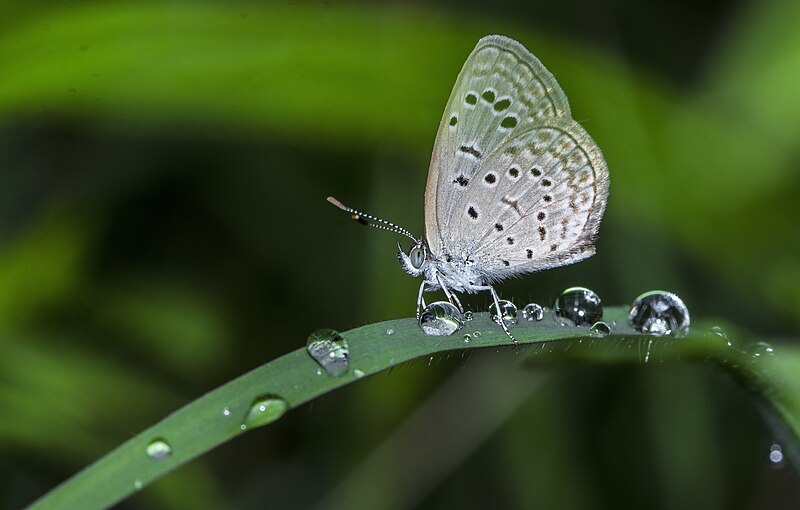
<point>459,274</point>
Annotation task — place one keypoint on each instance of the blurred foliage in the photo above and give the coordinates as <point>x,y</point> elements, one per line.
<point>162,229</point>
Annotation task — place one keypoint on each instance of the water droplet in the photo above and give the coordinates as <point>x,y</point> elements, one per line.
<point>330,350</point>
<point>468,315</point>
<point>137,484</point>
<point>762,349</point>
<point>158,449</point>
<point>440,319</point>
<point>467,338</point>
<point>533,312</point>
<point>580,305</point>
<point>659,313</point>
<point>601,328</point>
<point>508,310</point>
<point>243,426</point>
<point>476,334</point>
<point>390,331</point>
<point>226,412</point>
<point>265,409</point>
<point>319,371</point>
<point>358,373</point>
<point>776,454</point>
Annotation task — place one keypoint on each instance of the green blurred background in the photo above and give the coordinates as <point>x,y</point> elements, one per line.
<point>163,229</point>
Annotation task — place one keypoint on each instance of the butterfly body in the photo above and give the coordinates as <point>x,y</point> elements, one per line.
<point>515,185</point>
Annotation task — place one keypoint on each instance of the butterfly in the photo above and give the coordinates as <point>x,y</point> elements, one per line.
<point>515,184</point>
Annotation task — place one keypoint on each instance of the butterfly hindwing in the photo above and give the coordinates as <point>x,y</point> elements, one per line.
<point>501,90</point>
<point>535,203</point>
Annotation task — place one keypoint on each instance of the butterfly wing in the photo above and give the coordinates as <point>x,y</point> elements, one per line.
<point>538,204</point>
<point>502,89</point>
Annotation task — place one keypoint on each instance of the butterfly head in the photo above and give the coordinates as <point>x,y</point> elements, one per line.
<point>416,261</point>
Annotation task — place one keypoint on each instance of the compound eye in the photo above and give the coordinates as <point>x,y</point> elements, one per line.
<point>417,256</point>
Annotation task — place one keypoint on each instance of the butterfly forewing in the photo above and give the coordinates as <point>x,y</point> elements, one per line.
<point>501,90</point>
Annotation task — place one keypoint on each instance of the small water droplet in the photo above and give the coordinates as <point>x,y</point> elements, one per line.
<point>533,312</point>
<point>468,315</point>
<point>718,332</point>
<point>580,305</point>
<point>467,338</point>
<point>440,319</point>
<point>137,484</point>
<point>330,350</point>
<point>226,411</point>
<point>319,371</point>
<point>264,410</point>
<point>659,313</point>
<point>776,454</point>
<point>358,373</point>
<point>158,449</point>
<point>390,331</point>
<point>243,426</point>
<point>476,334</point>
<point>508,310</point>
<point>601,328</point>
<point>762,349</point>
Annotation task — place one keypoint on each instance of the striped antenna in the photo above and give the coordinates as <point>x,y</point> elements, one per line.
<point>372,221</point>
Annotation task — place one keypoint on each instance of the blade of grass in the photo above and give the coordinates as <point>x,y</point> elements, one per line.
<point>219,415</point>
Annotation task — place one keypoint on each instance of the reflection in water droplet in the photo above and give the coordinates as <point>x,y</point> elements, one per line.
<point>532,312</point>
<point>264,410</point>
<point>158,449</point>
<point>440,319</point>
<point>659,313</point>
<point>330,350</point>
<point>508,310</point>
<point>776,454</point>
<point>390,331</point>
<point>580,305</point>
<point>468,315</point>
<point>601,328</point>
<point>358,373</point>
<point>226,412</point>
<point>467,338</point>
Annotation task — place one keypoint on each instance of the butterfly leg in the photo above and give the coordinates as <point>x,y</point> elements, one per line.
<point>450,296</point>
<point>496,299</point>
<point>420,299</point>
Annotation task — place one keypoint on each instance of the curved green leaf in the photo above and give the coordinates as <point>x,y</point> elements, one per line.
<point>296,378</point>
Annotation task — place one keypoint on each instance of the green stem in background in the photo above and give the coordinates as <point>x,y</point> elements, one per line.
<point>264,394</point>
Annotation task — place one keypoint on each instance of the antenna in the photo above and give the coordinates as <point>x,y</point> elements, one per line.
<point>372,221</point>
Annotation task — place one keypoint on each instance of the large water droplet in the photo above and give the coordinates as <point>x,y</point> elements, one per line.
<point>508,311</point>
<point>468,315</point>
<point>580,305</point>
<point>659,313</point>
<point>158,449</point>
<point>330,350</point>
<point>264,410</point>
<point>440,319</point>
<point>467,338</point>
<point>601,328</point>
<point>532,312</point>
<point>390,331</point>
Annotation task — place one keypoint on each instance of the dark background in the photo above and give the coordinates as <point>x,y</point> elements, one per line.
<point>163,229</point>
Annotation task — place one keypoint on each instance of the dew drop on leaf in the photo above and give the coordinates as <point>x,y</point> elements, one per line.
<point>328,348</point>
